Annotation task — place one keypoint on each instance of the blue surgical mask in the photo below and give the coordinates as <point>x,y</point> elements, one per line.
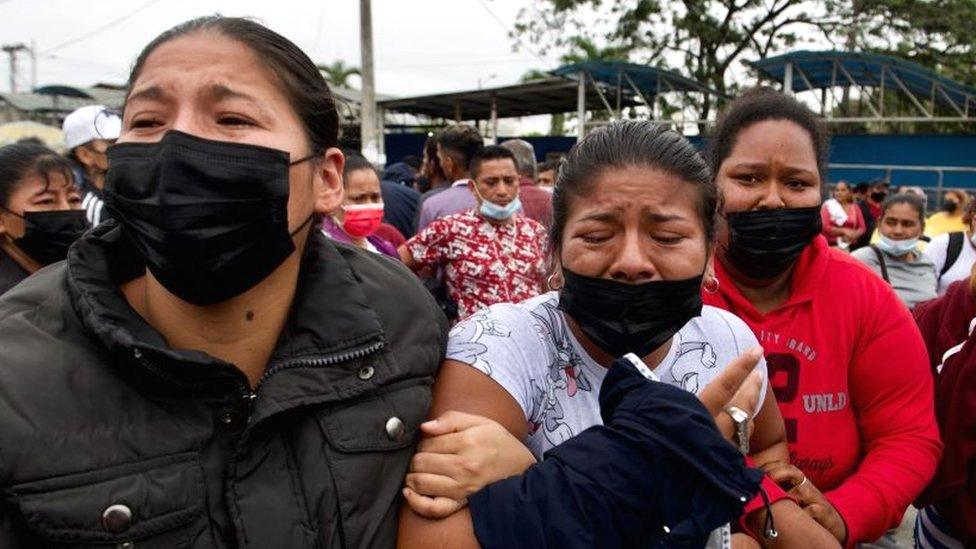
<point>500,213</point>
<point>897,248</point>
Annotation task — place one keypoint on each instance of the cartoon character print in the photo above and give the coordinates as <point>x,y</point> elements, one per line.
<point>552,415</point>
<point>465,340</point>
<point>687,368</point>
<point>565,373</point>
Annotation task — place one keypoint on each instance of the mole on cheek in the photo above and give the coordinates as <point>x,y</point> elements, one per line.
<point>249,316</point>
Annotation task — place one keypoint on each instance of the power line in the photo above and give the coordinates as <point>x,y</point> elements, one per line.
<point>517,38</point>
<point>318,30</point>
<point>104,27</point>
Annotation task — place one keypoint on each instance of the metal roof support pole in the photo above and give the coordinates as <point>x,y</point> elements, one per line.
<point>640,94</point>
<point>619,89</point>
<point>603,98</point>
<point>881,104</point>
<point>494,119</point>
<point>955,107</point>
<point>823,102</point>
<point>681,119</point>
<point>803,76</point>
<point>457,110</point>
<point>853,82</point>
<point>910,95</point>
<point>581,107</point>
<point>833,86</point>
<point>657,95</point>
<point>938,189</point>
<point>788,78</point>
<point>932,98</point>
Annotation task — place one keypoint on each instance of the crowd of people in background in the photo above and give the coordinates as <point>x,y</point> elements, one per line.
<point>246,336</point>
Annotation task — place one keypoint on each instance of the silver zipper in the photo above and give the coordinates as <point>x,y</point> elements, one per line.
<point>319,362</point>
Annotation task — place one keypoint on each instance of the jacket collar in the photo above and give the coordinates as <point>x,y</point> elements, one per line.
<point>330,316</point>
<point>808,274</point>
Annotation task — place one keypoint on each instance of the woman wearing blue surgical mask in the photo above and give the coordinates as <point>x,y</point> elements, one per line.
<point>896,257</point>
<point>207,369</point>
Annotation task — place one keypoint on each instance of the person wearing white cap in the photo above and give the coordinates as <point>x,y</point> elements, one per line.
<point>88,133</point>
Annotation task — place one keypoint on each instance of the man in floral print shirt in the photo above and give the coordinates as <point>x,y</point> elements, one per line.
<point>491,254</point>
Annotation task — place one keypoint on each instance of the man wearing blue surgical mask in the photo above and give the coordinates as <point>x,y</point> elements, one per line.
<point>491,253</point>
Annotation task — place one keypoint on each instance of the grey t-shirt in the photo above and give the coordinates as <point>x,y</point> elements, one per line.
<point>914,281</point>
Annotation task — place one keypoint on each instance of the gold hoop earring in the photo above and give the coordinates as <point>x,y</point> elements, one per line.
<point>711,285</point>
<point>552,284</point>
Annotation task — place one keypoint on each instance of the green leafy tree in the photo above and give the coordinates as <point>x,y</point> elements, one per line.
<point>703,39</point>
<point>707,40</point>
<point>939,34</point>
<point>338,73</point>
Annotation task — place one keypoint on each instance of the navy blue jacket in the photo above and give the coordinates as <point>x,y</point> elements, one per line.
<point>400,206</point>
<point>657,474</point>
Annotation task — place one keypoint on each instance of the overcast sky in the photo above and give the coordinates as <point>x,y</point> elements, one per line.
<point>420,46</point>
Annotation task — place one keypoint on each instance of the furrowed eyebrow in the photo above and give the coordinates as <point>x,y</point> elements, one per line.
<point>152,93</point>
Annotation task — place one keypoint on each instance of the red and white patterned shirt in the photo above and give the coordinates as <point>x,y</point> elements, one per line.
<point>484,263</point>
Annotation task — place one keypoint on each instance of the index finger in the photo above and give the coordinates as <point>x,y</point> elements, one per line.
<point>717,394</point>
<point>452,422</point>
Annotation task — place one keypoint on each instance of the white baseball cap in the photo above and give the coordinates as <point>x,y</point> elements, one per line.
<point>90,123</point>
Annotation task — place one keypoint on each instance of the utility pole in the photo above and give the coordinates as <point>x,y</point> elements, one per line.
<point>11,50</point>
<point>33,56</point>
<point>367,111</point>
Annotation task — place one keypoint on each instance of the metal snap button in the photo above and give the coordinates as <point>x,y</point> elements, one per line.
<point>395,428</point>
<point>366,372</point>
<point>117,518</point>
<point>227,419</point>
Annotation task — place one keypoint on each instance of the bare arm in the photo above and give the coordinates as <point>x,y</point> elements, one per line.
<point>460,387</point>
<point>794,527</point>
<point>768,441</point>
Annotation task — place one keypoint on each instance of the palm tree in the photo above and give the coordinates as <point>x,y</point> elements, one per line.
<point>338,73</point>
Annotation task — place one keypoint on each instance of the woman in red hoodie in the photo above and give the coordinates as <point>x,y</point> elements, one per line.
<point>846,362</point>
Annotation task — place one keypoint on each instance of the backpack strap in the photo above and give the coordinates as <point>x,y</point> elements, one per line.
<point>881,262</point>
<point>956,240</point>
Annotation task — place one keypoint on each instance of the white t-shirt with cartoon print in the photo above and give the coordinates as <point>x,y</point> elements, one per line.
<point>528,349</point>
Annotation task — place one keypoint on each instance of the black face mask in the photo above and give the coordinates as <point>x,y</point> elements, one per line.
<point>879,196</point>
<point>210,218</point>
<point>950,206</point>
<point>630,318</point>
<point>763,244</point>
<point>48,235</point>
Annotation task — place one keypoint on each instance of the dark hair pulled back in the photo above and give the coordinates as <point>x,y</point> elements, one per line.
<point>631,144</point>
<point>915,202</point>
<point>354,163</point>
<point>304,85</point>
<point>22,160</point>
<point>759,105</point>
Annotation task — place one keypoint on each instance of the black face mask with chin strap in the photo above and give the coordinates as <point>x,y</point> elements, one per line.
<point>763,244</point>
<point>629,318</point>
<point>210,218</point>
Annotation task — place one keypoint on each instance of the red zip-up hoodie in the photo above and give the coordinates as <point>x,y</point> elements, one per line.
<point>850,374</point>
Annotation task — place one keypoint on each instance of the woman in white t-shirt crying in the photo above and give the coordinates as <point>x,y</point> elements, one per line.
<point>634,215</point>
